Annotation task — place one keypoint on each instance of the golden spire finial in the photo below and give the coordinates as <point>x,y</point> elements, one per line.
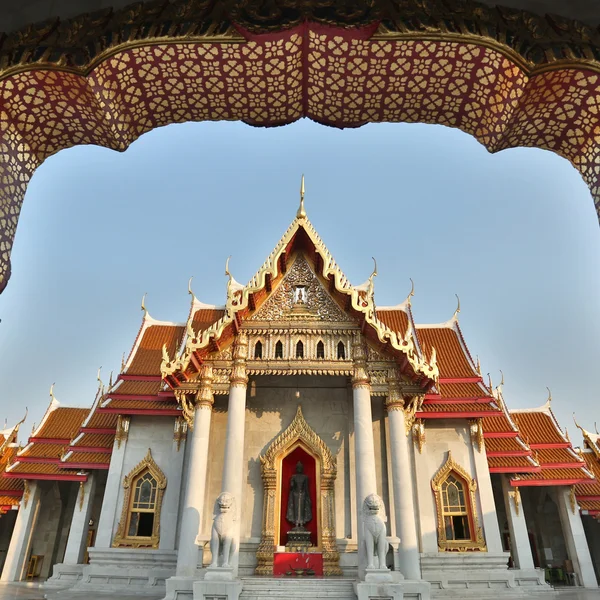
<point>412,291</point>
<point>457,307</point>
<point>301,214</point>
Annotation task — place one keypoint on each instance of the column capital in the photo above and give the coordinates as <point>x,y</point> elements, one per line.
<point>239,377</point>
<point>204,395</point>
<point>360,376</point>
<point>394,400</point>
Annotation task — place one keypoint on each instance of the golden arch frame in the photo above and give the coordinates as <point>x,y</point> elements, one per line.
<point>507,77</point>
<point>298,433</point>
<point>477,542</point>
<point>121,538</point>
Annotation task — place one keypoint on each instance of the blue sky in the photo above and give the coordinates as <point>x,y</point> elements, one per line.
<point>514,234</point>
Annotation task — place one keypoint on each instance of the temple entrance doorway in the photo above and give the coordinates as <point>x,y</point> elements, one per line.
<point>298,531</point>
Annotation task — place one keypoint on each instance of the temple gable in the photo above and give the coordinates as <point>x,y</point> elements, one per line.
<point>301,296</point>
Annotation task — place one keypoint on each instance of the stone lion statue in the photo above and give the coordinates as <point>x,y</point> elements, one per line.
<point>221,539</point>
<point>374,531</point>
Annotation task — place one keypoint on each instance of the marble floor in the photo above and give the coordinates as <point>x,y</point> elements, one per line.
<point>30,591</point>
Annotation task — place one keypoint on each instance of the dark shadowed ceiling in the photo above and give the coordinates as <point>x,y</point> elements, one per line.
<point>14,15</point>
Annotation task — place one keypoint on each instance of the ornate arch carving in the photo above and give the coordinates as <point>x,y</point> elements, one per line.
<point>477,542</point>
<point>121,537</point>
<point>298,432</point>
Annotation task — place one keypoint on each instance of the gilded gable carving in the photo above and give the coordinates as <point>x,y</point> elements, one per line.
<point>317,305</point>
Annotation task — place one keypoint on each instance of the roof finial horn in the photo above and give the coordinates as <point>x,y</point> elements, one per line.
<point>301,214</point>
<point>190,292</point>
<point>227,268</point>
<point>144,304</point>
<point>502,380</point>
<point>412,291</point>
<point>549,401</point>
<point>457,307</point>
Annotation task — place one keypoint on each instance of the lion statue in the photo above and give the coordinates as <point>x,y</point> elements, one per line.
<point>374,531</point>
<point>221,538</point>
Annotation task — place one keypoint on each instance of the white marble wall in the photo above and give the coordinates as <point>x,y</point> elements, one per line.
<point>270,407</point>
<point>453,435</point>
<point>155,433</point>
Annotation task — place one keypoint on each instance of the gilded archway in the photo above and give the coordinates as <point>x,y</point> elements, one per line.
<point>508,77</point>
<point>298,432</point>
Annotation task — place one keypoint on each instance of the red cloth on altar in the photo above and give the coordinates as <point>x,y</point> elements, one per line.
<point>288,468</point>
<point>288,561</point>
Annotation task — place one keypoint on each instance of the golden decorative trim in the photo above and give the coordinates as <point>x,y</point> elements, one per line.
<point>180,431</point>
<point>360,301</point>
<point>81,495</point>
<point>26,493</point>
<point>444,545</point>
<point>412,405</point>
<point>394,399</point>
<point>572,499</point>
<point>121,538</point>
<point>418,433</point>
<point>515,495</point>
<point>298,433</point>
<point>122,431</point>
<point>476,431</point>
<point>239,375</point>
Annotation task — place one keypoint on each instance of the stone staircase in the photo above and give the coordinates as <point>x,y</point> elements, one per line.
<point>297,588</point>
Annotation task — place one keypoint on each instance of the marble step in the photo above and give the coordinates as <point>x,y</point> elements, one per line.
<point>265,588</point>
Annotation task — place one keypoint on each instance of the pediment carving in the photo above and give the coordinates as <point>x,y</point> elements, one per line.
<point>316,304</point>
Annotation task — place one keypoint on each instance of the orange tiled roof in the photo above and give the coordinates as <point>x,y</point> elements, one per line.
<point>593,465</point>
<point>510,461</point>
<point>502,444</point>
<point>451,358</point>
<point>62,423</point>
<point>168,404</point>
<point>538,427</point>
<point>87,457</point>
<point>41,450</point>
<point>431,406</point>
<point>205,317</point>
<point>96,440</point>
<point>40,468</point>
<point>556,475</point>
<point>463,390</point>
<point>138,388</point>
<point>146,355</point>
<point>394,318</point>
<point>9,501</point>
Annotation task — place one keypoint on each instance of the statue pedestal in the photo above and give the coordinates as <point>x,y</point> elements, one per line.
<point>298,540</point>
<point>219,583</point>
<point>381,576</point>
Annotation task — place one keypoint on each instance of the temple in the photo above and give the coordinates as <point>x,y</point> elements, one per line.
<point>300,439</point>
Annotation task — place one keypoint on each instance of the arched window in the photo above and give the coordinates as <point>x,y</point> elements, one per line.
<point>279,349</point>
<point>139,526</point>
<point>454,506</point>
<point>320,350</point>
<point>143,506</point>
<point>341,351</point>
<point>258,349</point>
<point>299,349</point>
<point>458,526</point>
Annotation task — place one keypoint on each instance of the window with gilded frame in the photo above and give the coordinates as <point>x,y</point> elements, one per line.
<point>457,523</point>
<point>139,526</point>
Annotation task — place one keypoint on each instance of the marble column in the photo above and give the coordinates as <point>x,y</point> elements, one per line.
<point>78,533</point>
<point>192,510</point>
<point>575,540</point>
<point>107,523</point>
<point>18,550</point>
<point>233,464</point>
<point>402,479</point>
<point>364,449</point>
<point>520,547</point>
